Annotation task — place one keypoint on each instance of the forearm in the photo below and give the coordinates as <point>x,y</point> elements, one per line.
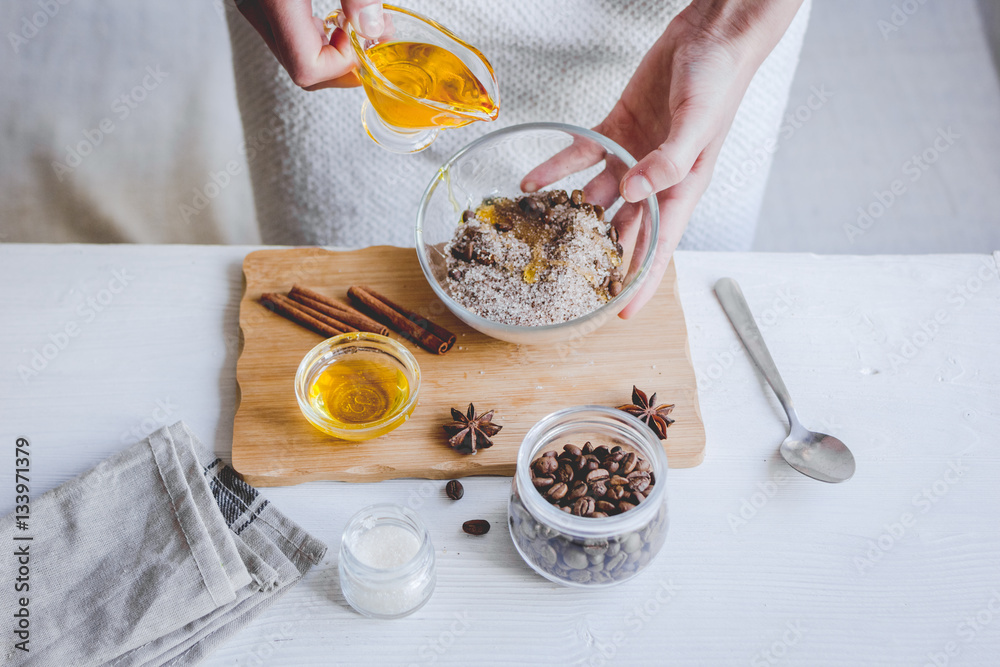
<point>751,28</point>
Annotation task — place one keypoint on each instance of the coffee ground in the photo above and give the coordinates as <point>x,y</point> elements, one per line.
<point>541,259</point>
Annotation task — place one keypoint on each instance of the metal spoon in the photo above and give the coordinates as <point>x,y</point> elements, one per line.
<point>814,454</point>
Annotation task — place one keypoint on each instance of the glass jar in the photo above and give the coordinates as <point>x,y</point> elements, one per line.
<point>577,550</point>
<point>386,562</point>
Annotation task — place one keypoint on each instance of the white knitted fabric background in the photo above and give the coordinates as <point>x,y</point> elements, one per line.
<point>319,180</point>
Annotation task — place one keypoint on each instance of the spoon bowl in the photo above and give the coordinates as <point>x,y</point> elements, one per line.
<point>817,455</point>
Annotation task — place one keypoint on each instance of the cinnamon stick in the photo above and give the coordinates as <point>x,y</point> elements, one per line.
<point>426,334</point>
<point>337,310</point>
<point>303,315</point>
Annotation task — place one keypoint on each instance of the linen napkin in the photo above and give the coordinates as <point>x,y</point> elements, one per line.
<point>153,557</point>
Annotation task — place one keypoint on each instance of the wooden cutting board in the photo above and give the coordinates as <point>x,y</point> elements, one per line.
<point>274,445</point>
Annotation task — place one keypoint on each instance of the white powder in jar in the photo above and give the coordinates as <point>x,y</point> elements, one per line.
<point>385,547</point>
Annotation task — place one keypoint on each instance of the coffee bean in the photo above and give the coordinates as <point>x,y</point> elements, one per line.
<point>543,482</point>
<point>503,225</point>
<point>454,489</point>
<point>615,493</point>
<point>628,463</point>
<point>568,510</point>
<point>598,475</point>
<point>467,215</point>
<point>455,274</point>
<point>643,465</point>
<point>546,465</point>
<point>605,506</point>
<point>550,453</point>
<point>637,497</point>
<point>576,198</point>
<point>604,283</point>
<point>613,234</point>
<point>573,449</point>
<point>597,515</point>
<point>566,473</point>
<point>615,288</point>
<point>468,251</point>
<point>625,506</point>
<point>579,490</point>
<point>588,449</point>
<point>638,481</point>
<point>601,452</point>
<point>612,467</point>
<point>476,527</point>
<point>598,489</point>
<point>557,197</point>
<point>591,465</point>
<point>617,449</point>
<point>618,480</point>
<point>599,211</point>
<point>557,492</point>
<point>583,506</point>
<point>619,249</point>
<point>531,206</point>
<point>484,258</point>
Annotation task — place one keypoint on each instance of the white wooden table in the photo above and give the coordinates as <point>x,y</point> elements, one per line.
<point>898,356</point>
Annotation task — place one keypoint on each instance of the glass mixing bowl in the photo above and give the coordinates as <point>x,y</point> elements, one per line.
<point>496,165</point>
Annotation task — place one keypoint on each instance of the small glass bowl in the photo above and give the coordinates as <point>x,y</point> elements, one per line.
<point>361,346</point>
<point>494,166</point>
<point>391,592</point>
<point>581,551</point>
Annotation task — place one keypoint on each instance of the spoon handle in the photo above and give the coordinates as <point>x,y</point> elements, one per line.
<point>731,297</point>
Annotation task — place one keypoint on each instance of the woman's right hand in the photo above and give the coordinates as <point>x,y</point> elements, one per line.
<point>297,40</point>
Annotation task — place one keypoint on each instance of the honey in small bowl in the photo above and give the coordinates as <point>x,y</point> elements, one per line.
<point>357,386</point>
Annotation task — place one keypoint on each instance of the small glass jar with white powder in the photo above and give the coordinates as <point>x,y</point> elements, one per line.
<point>386,562</point>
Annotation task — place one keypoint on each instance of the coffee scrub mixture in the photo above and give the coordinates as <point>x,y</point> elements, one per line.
<point>542,258</point>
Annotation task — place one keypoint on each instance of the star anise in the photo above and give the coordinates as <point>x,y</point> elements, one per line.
<point>471,432</point>
<point>655,416</point>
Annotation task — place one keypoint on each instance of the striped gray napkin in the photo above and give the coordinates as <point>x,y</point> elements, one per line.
<point>154,557</point>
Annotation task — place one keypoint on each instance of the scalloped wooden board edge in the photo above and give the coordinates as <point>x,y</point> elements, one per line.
<point>273,444</point>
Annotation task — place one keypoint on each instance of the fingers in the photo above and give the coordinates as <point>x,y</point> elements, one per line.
<point>676,206</point>
<point>302,48</point>
<point>366,17</point>
<point>582,153</point>
<point>691,130</point>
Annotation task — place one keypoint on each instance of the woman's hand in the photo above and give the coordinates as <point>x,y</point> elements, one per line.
<point>297,40</point>
<point>675,113</point>
<point>679,105</point>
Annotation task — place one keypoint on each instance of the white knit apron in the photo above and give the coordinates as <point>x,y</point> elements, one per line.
<point>319,180</point>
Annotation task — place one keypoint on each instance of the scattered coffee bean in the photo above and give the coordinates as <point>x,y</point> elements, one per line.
<point>613,234</point>
<point>476,527</point>
<point>454,489</point>
<point>615,288</point>
<point>599,211</point>
<point>576,198</point>
<point>504,225</point>
<point>467,215</point>
<point>455,274</point>
<point>599,475</point>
